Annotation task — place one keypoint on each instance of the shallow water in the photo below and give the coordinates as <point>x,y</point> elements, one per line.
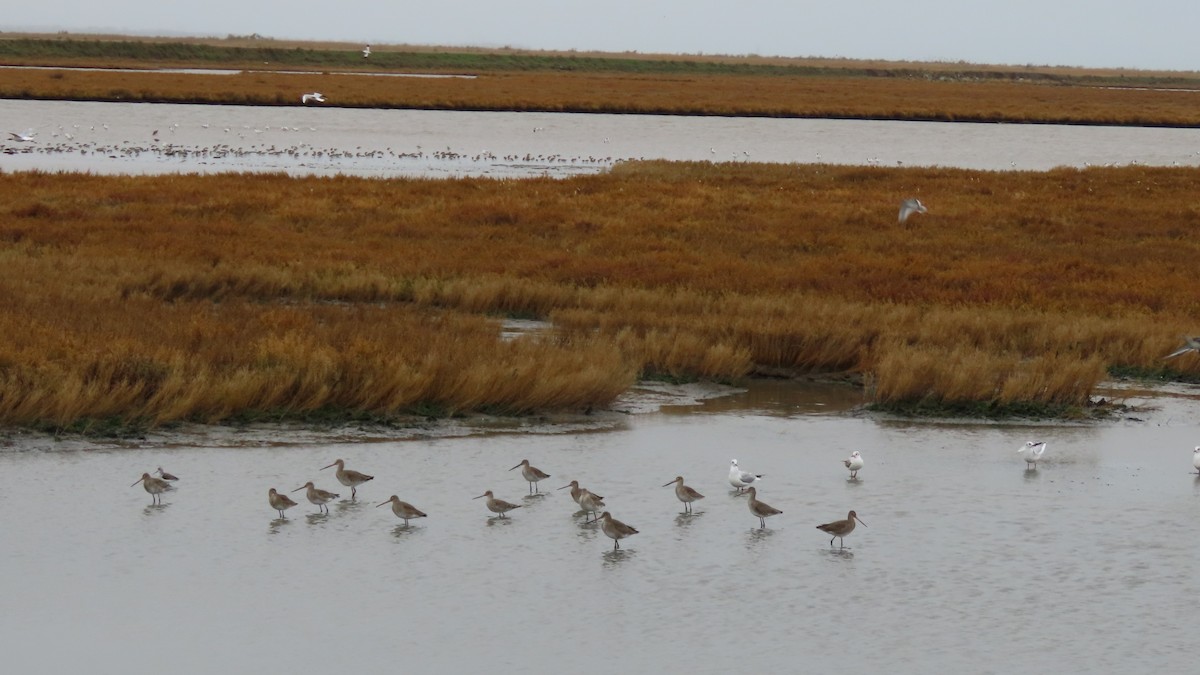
<point>119,138</point>
<point>968,562</point>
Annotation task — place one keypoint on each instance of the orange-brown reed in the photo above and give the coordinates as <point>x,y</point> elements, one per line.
<point>153,299</point>
<point>785,96</point>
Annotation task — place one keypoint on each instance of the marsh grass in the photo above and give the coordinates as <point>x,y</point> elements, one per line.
<point>149,300</point>
<point>608,83</point>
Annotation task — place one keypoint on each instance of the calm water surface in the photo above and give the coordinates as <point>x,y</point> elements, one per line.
<point>119,138</point>
<point>969,563</point>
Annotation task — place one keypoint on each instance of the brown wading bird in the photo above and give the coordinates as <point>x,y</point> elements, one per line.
<point>318,496</point>
<point>759,509</point>
<point>155,486</point>
<point>615,529</point>
<point>576,491</point>
<point>497,505</point>
<point>531,474</point>
<point>403,509</point>
<point>279,502</point>
<point>685,494</point>
<point>351,479</point>
<point>841,528</point>
<point>590,503</point>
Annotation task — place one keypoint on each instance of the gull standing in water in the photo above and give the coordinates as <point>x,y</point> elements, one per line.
<point>841,528</point>
<point>909,207</point>
<point>155,486</point>
<point>615,529</point>
<point>1190,344</point>
<point>280,502</point>
<point>531,474</point>
<point>315,96</point>
<point>1031,452</point>
<point>497,505</point>
<point>741,479</point>
<point>854,462</point>
<point>761,510</point>
<point>351,479</point>
<point>403,509</point>
<point>685,494</point>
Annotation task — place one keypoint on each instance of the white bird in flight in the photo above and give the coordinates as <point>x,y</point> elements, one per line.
<point>1190,344</point>
<point>26,137</point>
<point>315,96</point>
<point>909,207</point>
<point>741,479</point>
<point>366,51</point>
<point>1031,452</point>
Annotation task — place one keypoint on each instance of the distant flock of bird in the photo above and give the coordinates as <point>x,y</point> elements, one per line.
<point>590,503</point>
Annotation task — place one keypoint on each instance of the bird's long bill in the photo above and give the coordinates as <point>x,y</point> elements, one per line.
<point>483,495</point>
<point>516,466</point>
<point>138,481</point>
<point>860,522</point>
<point>300,488</point>
<point>326,467</point>
<point>561,488</point>
<point>387,502</point>
<point>666,484</point>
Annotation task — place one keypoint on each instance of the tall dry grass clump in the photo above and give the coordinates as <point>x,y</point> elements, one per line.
<point>211,297</point>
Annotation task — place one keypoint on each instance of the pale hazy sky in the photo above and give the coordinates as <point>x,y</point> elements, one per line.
<point>1155,34</point>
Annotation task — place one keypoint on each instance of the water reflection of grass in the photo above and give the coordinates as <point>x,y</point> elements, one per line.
<point>146,300</point>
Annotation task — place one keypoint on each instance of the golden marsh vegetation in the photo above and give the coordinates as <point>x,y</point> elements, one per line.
<point>155,299</point>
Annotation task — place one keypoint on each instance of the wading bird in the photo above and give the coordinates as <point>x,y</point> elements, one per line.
<point>841,528</point>
<point>403,509</point>
<point>279,502</point>
<point>615,529</point>
<point>684,493</point>
<point>531,474</point>
<point>760,510</point>
<point>351,479</point>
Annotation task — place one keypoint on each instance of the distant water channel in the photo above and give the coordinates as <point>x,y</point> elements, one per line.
<point>121,138</point>
<point>968,563</point>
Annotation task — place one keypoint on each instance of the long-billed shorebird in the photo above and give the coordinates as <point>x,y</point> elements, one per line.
<point>1031,452</point>
<point>351,479</point>
<point>854,462</point>
<point>531,474</point>
<point>403,509</point>
<point>741,479</point>
<point>911,206</point>
<point>759,509</point>
<point>615,529</point>
<point>497,505</point>
<point>590,503</point>
<point>685,494</point>
<point>279,502</point>
<point>576,491</point>
<point>1190,344</point>
<point>165,475</point>
<point>155,486</point>
<point>317,496</point>
<point>841,528</point>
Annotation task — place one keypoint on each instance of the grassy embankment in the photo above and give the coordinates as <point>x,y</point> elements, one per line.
<point>529,81</point>
<point>145,300</point>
